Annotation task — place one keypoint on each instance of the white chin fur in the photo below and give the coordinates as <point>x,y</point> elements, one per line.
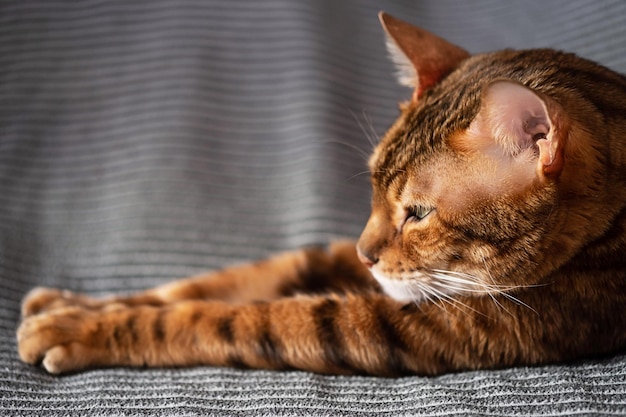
<point>398,290</point>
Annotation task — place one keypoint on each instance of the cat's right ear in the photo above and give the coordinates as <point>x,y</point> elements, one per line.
<point>422,58</point>
<point>515,121</point>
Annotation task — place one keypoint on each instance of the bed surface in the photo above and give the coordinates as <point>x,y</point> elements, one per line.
<point>147,140</point>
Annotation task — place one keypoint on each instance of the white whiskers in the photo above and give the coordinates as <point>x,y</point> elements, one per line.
<point>442,288</point>
<point>445,288</point>
<point>369,131</point>
<point>459,282</point>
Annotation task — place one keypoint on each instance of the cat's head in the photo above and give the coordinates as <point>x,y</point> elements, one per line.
<point>475,184</point>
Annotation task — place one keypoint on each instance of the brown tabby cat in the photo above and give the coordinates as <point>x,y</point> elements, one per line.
<point>497,238</point>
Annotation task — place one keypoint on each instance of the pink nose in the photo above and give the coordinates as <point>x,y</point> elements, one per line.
<point>365,259</point>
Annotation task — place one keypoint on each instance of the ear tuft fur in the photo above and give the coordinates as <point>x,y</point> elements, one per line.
<point>422,58</point>
<point>405,71</point>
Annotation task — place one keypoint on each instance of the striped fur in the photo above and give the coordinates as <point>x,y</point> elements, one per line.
<point>517,288</point>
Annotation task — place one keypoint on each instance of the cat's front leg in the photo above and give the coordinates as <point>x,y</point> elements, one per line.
<point>42,299</point>
<point>68,338</point>
<point>314,269</point>
<point>322,334</point>
<point>184,334</point>
<point>363,334</point>
<point>71,338</point>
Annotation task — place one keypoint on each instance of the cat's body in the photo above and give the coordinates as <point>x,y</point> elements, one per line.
<point>497,238</point>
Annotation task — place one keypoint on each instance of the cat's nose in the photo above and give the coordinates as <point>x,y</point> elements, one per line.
<point>366,259</point>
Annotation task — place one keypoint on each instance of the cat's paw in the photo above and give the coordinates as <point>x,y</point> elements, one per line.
<point>63,340</point>
<point>40,300</point>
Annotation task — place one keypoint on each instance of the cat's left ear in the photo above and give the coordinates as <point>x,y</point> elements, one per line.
<point>514,120</point>
<point>422,58</point>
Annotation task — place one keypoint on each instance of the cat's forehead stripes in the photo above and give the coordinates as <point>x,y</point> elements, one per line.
<point>426,126</point>
<point>420,133</point>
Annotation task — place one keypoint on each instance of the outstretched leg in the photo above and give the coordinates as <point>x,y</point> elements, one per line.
<point>365,334</point>
<point>312,270</point>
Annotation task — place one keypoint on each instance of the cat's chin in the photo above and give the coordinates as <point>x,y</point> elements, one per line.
<point>399,290</point>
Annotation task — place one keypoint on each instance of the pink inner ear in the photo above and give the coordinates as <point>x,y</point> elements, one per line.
<point>514,119</point>
<point>517,116</point>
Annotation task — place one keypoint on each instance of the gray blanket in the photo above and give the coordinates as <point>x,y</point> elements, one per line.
<point>142,141</point>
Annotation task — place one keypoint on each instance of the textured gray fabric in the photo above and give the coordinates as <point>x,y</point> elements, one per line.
<point>146,140</point>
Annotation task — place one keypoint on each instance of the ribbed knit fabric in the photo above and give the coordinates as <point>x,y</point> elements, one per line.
<point>142,141</point>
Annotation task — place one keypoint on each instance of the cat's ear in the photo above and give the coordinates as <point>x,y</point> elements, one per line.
<point>422,58</point>
<point>517,121</point>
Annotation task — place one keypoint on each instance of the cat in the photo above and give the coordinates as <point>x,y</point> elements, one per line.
<point>496,239</point>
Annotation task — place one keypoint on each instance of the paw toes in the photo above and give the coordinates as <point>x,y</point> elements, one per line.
<point>57,360</point>
<point>38,299</point>
<point>28,355</point>
<point>40,333</point>
<point>42,300</point>
<point>29,352</point>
